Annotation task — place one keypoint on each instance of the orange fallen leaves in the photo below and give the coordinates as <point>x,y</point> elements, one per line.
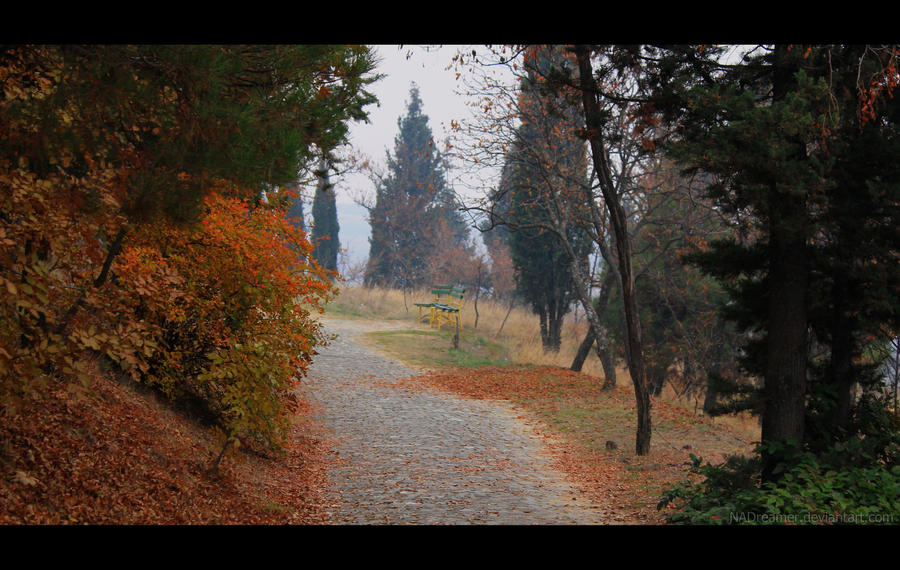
<point>623,485</point>
<point>120,457</point>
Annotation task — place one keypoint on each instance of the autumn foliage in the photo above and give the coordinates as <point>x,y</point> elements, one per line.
<point>141,229</point>
<point>221,311</point>
<point>237,335</point>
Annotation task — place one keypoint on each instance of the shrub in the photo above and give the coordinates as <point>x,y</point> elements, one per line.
<point>236,337</point>
<point>807,494</point>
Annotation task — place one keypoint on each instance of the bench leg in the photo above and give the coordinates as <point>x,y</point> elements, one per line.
<point>446,320</point>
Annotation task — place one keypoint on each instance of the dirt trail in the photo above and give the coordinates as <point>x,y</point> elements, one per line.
<point>425,457</point>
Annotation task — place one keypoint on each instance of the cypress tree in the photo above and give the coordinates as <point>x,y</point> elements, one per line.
<point>542,269</point>
<point>325,229</point>
<point>295,211</point>
<point>546,167</point>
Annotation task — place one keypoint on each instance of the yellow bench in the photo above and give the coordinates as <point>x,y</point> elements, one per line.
<point>440,293</point>
<point>444,307</point>
<point>448,311</point>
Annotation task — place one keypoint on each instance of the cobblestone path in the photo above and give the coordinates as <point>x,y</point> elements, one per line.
<point>424,457</point>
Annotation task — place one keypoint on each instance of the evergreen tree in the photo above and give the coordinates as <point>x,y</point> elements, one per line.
<point>295,210</point>
<point>121,146</point>
<point>854,300</point>
<point>415,215</point>
<point>546,168</point>
<point>325,232</point>
<point>809,182</point>
<point>542,270</point>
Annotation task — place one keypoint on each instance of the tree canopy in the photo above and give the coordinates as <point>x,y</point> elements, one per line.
<point>797,140</point>
<point>326,229</point>
<point>545,168</point>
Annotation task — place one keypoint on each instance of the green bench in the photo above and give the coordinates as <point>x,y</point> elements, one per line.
<point>444,308</point>
<point>440,293</point>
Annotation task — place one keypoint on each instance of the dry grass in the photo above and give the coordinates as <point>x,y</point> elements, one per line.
<point>590,431</point>
<point>119,456</point>
<point>520,333</point>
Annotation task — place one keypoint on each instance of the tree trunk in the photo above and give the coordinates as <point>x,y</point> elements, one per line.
<point>594,133</point>
<point>213,468</point>
<point>709,400</point>
<point>551,328</point>
<point>477,292</point>
<point>655,379</point>
<point>554,330</point>
<point>583,350</point>
<point>503,324</point>
<point>545,332</point>
<point>896,373</point>
<point>609,366</point>
<point>475,305</point>
<point>114,248</point>
<point>599,340</point>
<point>840,370</point>
<point>785,379</point>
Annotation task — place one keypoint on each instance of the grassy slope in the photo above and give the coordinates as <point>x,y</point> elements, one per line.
<point>577,418</point>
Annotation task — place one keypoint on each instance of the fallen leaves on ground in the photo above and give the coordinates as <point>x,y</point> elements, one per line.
<point>117,455</point>
<point>589,432</point>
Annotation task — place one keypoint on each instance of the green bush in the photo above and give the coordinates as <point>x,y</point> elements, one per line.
<point>851,476</point>
<point>809,493</point>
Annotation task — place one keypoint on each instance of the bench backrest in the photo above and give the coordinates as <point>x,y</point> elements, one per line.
<point>455,297</point>
<point>441,292</point>
<point>449,295</point>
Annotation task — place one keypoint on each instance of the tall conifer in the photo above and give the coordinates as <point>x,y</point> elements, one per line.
<point>415,214</point>
<point>805,175</point>
<point>325,229</point>
<point>546,167</point>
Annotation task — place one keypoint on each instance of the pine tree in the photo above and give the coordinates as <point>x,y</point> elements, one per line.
<point>415,215</point>
<point>810,187</point>
<point>853,299</point>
